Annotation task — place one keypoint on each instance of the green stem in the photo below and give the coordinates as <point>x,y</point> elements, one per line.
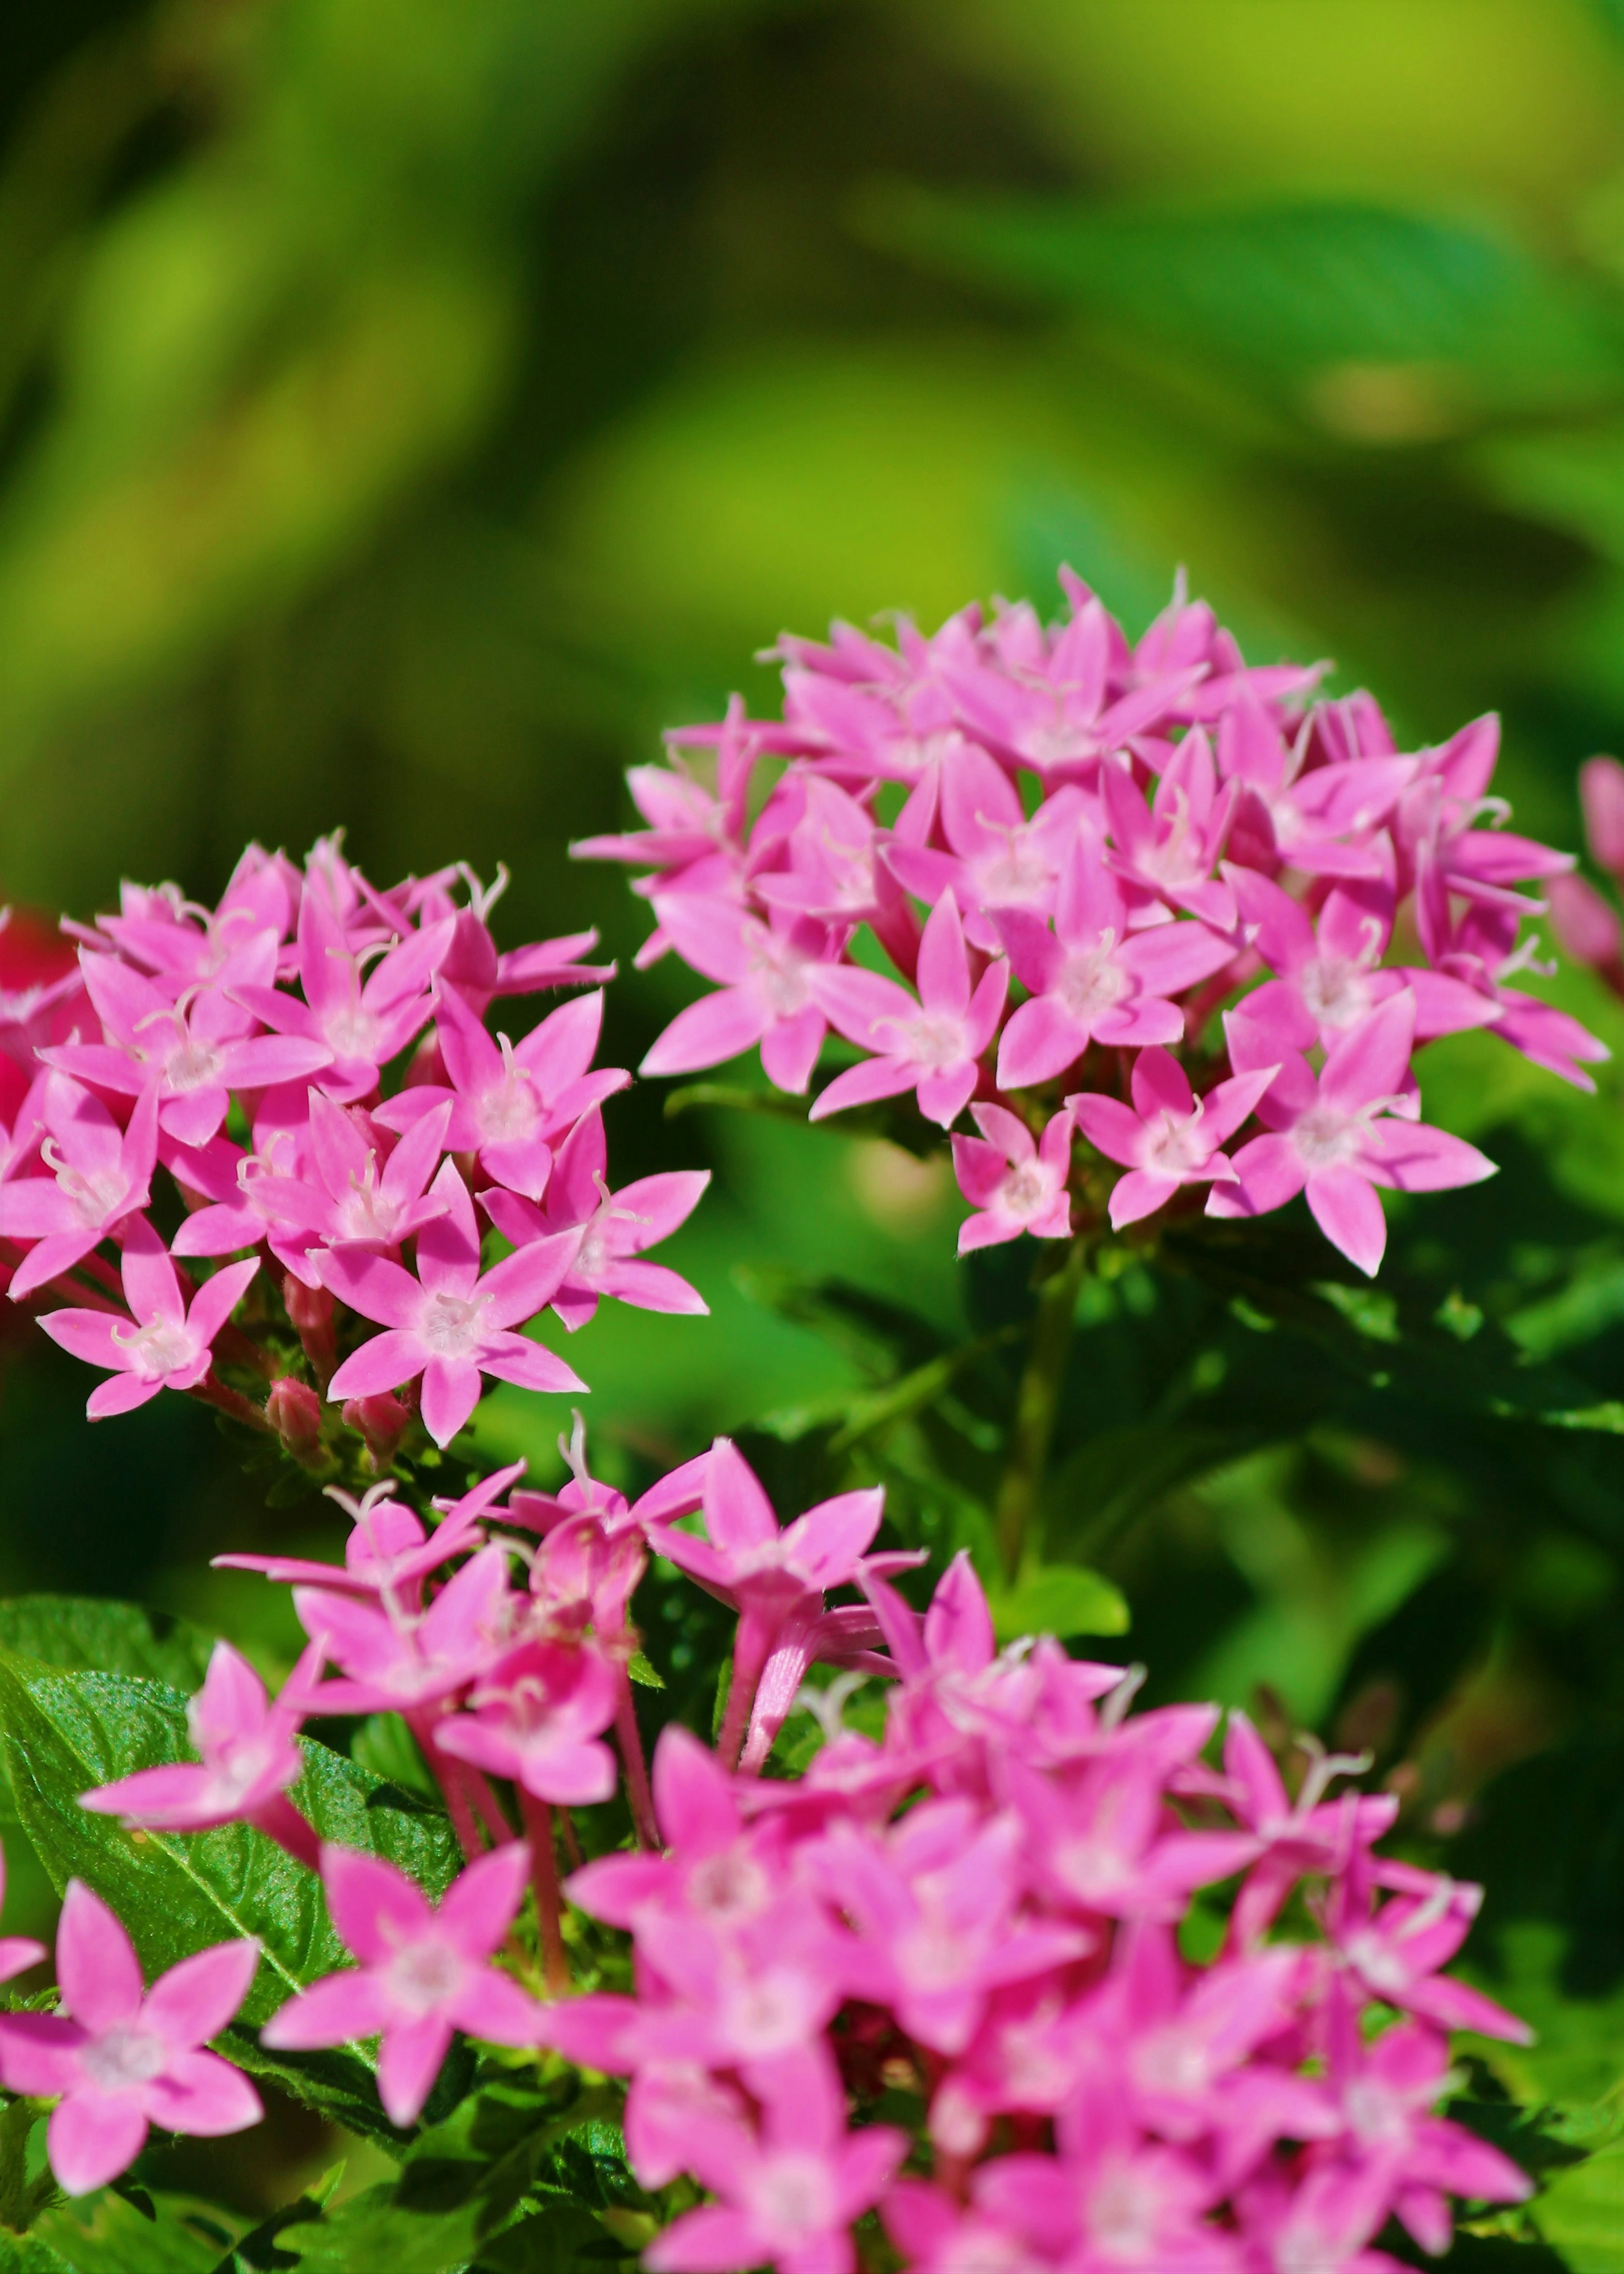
<point>15,2123</point>
<point>1035,1403</point>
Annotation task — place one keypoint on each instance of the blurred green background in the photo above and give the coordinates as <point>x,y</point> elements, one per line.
<point>409,407</point>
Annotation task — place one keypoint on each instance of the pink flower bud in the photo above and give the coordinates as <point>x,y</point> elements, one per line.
<point>295,1412</point>
<point>1585,925</point>
<point>381,1418</point>
<point>309,1308</point>
<point>1601,792</point>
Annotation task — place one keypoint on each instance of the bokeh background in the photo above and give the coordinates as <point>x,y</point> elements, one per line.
<point>409,407</point>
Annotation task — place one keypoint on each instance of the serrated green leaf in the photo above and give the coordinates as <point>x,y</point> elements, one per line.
<point>81,1633</point>
<point>643,1670</point>
<point>177,1893</point>
<point>1062,1600</point>
<point>558,2238</point>
<point>105,2233</point>
<point>30,2254</point>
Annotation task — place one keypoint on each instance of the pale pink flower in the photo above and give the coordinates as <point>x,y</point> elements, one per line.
<point>100,1176</point>
<point>196,1052</point>
<point>426,1971</point>
<point>931,1045</point>
<point>1169,1137</point>
<point>1335,1136</point>
<point>166,1344</point>
<point>769,992</point>
<point>122,2058</point>
<point>998,858</point>
<point>357,1025</point>
<point>448,1325</point>
<point>1321,820</point>
<point>1090,978</point>
<point>614,1228</point>
<point>537,1717</point>
<point>1171,848</point>
<point>387,1550</point>
<point>1013,1182</point>
<point>396,1659</point>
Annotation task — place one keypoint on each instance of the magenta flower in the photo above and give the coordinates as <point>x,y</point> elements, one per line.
<point>1090,978</point>
<point>769,991</point>
<point>100,1177</point>
<point>936,1909</point>
<point>342,1201</point>
<point>196,1052</point>
<point>614,1228</point>
<point>537,1717</point>
<point>507,1106</point>
<point>183,943</point>
<point>1169,1137</point>
<point>387,1550</point>
<point>1321,819</point>
<point>1601,793</point>
<point>1397,1947</point>
<point>249,1758</point>
<point>424,1972</point>
<point>788,2194</point>
<point>1338,1136</point>
<point>167,1345</point>
<point>17,1952</point>
<point>933,1045</point>
<point>1481,950</point>
<point>998,859</point>
<point>1327,978</point>
<point>357,1025</point>
<point>122,2060</point>
<point>1309,1834</point>
<point>1013,1183</point>
<point>448,1325</point>
<point>1170,849</point>
<point>775,1580</point>
<point>394,1660</point>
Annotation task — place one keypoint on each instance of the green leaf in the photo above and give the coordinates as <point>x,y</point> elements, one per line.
<point>643,1670</point>
<point>1062,1600</point>
<point>177,1893</point>
<point>370,2230</point>
<point>85,1632</point>
<point>30,2254</point>
<point>105,2233</point>
<point>560,2239</point>
<point>1289,287</point>
<point>1581,2212</point>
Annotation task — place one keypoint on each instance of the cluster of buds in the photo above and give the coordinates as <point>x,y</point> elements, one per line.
<point>942,1975</point>
<point>1078,855</point>
<point>244,1050</point>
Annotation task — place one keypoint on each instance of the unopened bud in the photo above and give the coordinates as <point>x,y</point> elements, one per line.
<point>381,1419</point>
<point>310,1308</point>
<point>1601,793</point>
<point>294,1410</point>
<point>1583,922</point>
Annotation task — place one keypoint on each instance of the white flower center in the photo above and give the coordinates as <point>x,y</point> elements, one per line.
<point>1091,983</point>
<point>508,1114</point>
<point>934,1039</point>
<point>728,1885</point>
<point>191,1066</point>
<point>783,981</point>
<point>1173,1147</point>
<point>791,2196</point>
<point>450,1326</point>
<point>766,2016</point>
<point>1172,2061</point>
<point>1378,2116</point>
<point>1122,2217</point>
<point>352,1032</point>
<point>1014,877</point>
<point>162,1347</point>
<point>1024,1190</point>
<point>1326,1137</point>
<point>1335,991</point>
<point>123,2056</point>
<point>423,1976</point>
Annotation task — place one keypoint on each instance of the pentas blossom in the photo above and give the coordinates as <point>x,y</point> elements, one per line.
<point>118,2058</point>
<point>1100,847</point>
<point>971,1916</point>
<point>302,1067</point>
<point>426,1971</point>
<point>1014,1182</point>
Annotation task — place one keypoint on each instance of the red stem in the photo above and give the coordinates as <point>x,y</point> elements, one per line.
<point>544,1881</point>
<point>629,1738</point>
<point>215,1392</point>
<point>281,1822</point>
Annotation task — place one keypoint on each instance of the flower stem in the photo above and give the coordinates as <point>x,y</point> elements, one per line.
<point>213,1391</point>
<point>544,1881</point>
<point>281,1822</point>
<point>629,1738</point>
<point>1036,1401</point>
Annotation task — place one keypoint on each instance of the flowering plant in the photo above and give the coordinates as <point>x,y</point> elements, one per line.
<point>894,1935</point>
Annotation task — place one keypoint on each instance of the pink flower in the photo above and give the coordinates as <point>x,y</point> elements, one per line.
<point>396,1659</point>
<point>507,1106</point>
<point>769,992</point>
<point>122,2060</point>
<point>1090,978</point>
<point>1171,848</point>
<point>357,1025</point>
<point>1335,1137</point>
<point>776,1580</point>
<point>536,1717</point>
<point>196,1054</point>
<point>1013,1184</point>
<point>999,859</point>
<point>1321,819</point>
<point>1601,793</point>
<point>448,1325</point>
<point>788,2192</point>
<point>250,1757</point>
<point>932,1045</point>
<point>342,1201</point>
<point>387,1551</point>
<point>1171,1137</point>
<point>17,1952</point>
<point>168,1346</point>
<point>424,1972</point>
<point>100,1177</point>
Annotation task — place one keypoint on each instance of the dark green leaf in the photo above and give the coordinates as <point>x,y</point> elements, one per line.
<point>106,2234</point>
<point>84,1633</point>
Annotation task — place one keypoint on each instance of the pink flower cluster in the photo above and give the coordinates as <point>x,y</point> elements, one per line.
<point>245,1049</point>
<point>1074,852</point>
<point>941,1974</point>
